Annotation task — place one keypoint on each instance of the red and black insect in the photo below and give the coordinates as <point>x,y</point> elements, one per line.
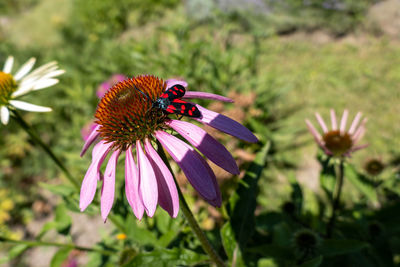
<point>170,102</point>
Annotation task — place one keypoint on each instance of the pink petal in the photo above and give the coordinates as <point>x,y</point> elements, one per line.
<point>89,183</point>
<point>203,95</point>
<point>171,82</point>
<point>206,144</point>
<point>317,137</point>
<point>132,185</point>
<point>321,122</point>
<point>192,164</point>
<point>167,193</point>
<point>91,138</point>
<point>333,120</point>
<point>225,125</point>
<point>355,123</point>
<point>148,182</point>
<point>108,188</point>
<point>360,131</point>
<point>314,132</point>
<point>344,121</point>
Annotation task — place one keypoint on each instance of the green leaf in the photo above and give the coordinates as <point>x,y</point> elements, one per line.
<point>333,247</point>
<point>242,203</point>
<point>62,219</point>
<point>266,263</point>
<point>59,257</point>
<point>167,258</point>
<point>230,245</point>
<point>362,185</point>
<point>14,252</point>
<point>46,227</point>
<point>139,235</point>
<point>313,262</point>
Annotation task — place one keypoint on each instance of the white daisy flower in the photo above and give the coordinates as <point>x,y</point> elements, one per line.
<point>22,82</point>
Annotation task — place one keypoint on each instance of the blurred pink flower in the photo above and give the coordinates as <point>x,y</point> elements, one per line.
<point>339,142</point>
<point>103,88</point>
<point>127,121</point>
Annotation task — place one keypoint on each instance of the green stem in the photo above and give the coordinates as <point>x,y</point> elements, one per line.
<point>45,147</point>
<point>58,162</point>
<point>336,198</point>
<point>55,244</point>
<point>190,218</point>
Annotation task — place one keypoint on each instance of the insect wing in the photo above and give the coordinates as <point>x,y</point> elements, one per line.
<point>181,107</point>
<point>174,92</point>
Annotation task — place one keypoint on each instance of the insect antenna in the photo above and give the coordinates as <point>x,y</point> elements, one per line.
<point>148,98</point>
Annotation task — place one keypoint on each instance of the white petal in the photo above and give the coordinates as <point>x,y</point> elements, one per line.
<point>43,70</point>
<point>24,88</point>
<point>25,69</point>
<point>44,83</point>
<point>53,73</point>
<point>29,107</point>
<point>8,65</point>
<point>4,115</point>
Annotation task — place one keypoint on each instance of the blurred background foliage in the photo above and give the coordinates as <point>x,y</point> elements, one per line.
<point>279,60</point>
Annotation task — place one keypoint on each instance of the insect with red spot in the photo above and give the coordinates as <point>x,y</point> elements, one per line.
<point>170,102</point>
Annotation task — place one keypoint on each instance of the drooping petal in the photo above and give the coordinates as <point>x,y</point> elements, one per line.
<point>321,122</point>
<point>148,182</point>
<point>132,185</point>
<point>344,121</point>
<point>89,183</point>
<point>25,69</point>
<point>29,107</point>
<point>171,82</point>
<point>203,95</point>
<point>4,115</point>
<point>167,193</point>
<point>90,139</point>
<point>8,65</point>
<point>206,144</point>
<point>196,170</point>
<point>225,124</point>
<point>355,123</point>
<point>333,120</point>
<point>108,188</point>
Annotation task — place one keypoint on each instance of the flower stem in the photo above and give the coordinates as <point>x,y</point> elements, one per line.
<point>45,147</point>
<point>336,198</point>
<point>190,218</point>
<point>58,162</point>
<point>55,244</point>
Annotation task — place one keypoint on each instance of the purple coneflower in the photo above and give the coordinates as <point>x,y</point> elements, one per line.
<point>22,82</point>
<point>127,121</point>
<point>339,142</point>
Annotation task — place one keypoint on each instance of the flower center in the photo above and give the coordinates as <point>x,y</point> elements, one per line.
<point>374,167</point>
<point>338,143</point>
<point>7,87</point>
<point>125,112</point>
